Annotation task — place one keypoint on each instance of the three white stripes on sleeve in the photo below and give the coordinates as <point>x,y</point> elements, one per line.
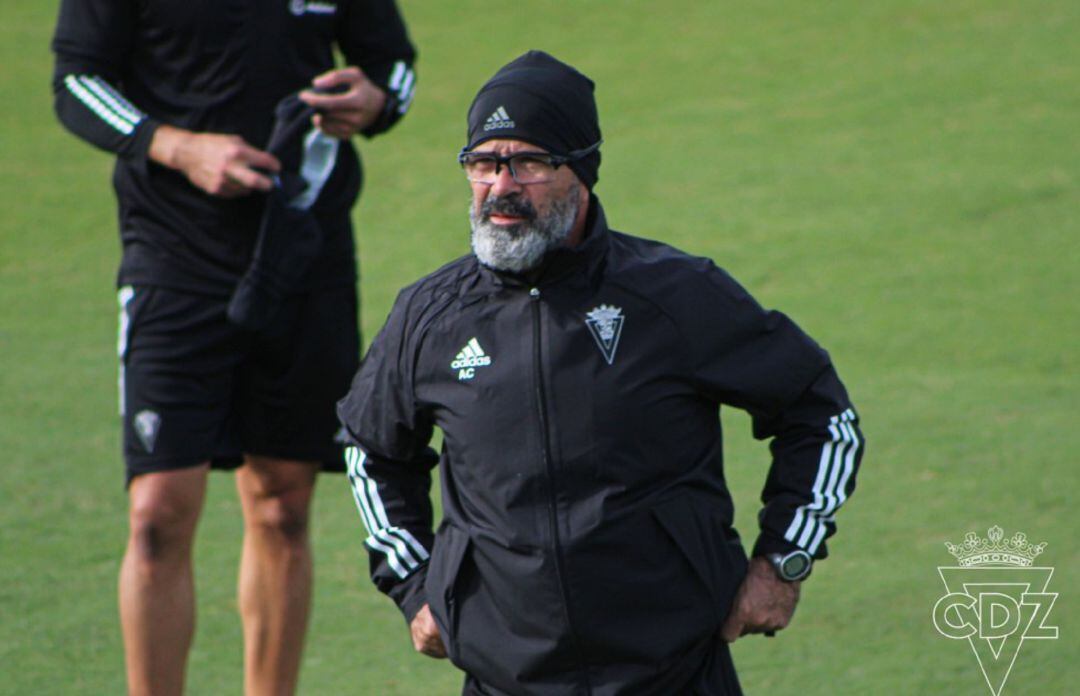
<point>837,464</point>
<point>403,552</point>
<point>108,104</point>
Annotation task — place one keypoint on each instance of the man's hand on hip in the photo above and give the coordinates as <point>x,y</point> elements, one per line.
<point>425,634</point>
<point>764,602</point>
<point>222,165</point>
<point>346,113</point>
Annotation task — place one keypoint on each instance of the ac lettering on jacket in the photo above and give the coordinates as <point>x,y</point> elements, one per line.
<point>468,359</point>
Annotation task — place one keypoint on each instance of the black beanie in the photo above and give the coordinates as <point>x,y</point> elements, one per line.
<point>542,101</point>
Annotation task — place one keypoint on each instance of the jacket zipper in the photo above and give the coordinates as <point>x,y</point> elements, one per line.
<point>541,405</point>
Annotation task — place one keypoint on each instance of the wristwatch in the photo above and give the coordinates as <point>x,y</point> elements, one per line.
<point>793,566</point>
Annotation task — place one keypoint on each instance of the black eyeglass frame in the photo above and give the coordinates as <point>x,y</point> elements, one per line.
<point>555,160</point>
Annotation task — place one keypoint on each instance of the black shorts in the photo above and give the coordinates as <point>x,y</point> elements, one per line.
<point>194,387</point>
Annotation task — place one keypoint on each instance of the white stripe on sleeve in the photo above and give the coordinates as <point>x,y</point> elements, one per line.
<point>406,86</point>
<point>405,103</point>
<point>395,77</point>
<point>107,94</point>
<point>835,467</point>
<point>97,106</point>
<point>403,551</point>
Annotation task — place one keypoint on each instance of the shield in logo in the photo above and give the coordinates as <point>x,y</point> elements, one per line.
<point>605,324</point>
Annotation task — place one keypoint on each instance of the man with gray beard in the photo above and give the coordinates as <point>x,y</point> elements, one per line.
<point>576,373</point>
<point>520,247</point>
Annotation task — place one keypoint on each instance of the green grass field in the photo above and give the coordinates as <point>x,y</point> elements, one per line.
<point>901,176</point>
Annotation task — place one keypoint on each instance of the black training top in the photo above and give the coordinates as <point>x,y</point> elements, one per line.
<point>125,66</point>
<point>586,543</point>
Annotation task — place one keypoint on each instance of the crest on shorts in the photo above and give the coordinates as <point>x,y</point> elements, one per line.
<point>605,324</point>
<point>147,423</point>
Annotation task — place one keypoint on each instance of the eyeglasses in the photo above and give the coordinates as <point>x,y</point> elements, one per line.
<point>525,167</point>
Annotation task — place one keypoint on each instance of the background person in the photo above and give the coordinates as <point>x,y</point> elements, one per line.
<point>184,94</point>
<point>577,373</point>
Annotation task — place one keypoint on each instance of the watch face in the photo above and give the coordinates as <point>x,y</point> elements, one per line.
<point>795,565</point>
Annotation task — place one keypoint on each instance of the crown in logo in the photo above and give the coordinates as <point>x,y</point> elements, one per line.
<point>605,316</point>
<point>975,551</point>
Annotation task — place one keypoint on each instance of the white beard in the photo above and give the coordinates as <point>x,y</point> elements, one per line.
<point>521,247</point>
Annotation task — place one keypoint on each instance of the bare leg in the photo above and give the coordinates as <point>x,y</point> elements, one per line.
<point>157,588</point>
<point>275,571</point>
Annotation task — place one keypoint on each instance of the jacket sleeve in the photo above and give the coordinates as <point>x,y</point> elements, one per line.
<point>91,44</point>
<point>390,464</point>
<point>762,362</point>
<point>372,35</point>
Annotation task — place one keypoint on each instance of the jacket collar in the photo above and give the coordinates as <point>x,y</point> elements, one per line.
<point>580,262</point>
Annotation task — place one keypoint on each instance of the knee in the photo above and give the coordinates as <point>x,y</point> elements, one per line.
<point>160,533</point>
<point>276,496</point>
<point>282,516</point>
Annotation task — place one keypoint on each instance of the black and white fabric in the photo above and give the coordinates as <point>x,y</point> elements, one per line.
<point>290,237</point>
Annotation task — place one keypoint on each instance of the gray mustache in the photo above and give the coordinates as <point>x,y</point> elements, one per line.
<point>513,204</point>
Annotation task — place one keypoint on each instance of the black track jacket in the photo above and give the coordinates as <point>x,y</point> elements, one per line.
<point>586,545</point>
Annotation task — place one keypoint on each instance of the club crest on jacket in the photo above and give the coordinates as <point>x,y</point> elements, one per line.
<point>605,324</point>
